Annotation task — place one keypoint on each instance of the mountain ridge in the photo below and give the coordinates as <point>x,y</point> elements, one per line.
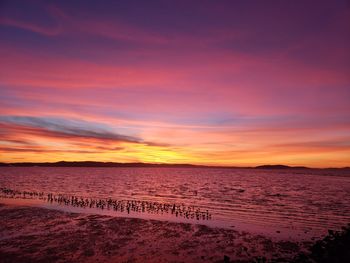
<point>150,165</point>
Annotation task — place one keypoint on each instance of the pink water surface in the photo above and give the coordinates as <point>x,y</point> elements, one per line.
<point>290,202</point>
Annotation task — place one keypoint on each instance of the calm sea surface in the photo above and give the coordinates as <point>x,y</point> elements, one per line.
<point>292,201</point>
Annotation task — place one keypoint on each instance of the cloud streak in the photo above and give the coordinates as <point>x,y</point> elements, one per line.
<point>59,127</point>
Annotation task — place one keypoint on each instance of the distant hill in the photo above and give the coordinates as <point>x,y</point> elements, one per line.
<point>97,164</point>
<point>280,166</point>
<point>116,164</point>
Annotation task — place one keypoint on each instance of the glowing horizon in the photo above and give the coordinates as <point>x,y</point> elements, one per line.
<point>210,83</point>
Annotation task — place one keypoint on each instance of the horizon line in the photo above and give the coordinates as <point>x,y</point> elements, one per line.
<point>63,163</point>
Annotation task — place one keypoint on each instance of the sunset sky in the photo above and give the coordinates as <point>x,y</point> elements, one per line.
<point>203,82</point>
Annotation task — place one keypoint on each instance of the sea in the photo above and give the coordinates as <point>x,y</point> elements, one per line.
<point>293,203</point>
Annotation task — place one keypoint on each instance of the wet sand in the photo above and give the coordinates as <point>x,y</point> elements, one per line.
<point>32,234</point>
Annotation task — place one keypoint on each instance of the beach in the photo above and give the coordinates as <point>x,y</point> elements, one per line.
<point>82,214</point>
<point>33,234</point>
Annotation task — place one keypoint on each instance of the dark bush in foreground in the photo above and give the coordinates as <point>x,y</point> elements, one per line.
<point>334,248</point>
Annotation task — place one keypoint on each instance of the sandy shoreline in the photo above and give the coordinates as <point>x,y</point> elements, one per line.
<point>32,234</point>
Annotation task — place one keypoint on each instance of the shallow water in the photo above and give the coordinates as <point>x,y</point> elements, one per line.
<point>292,202</point>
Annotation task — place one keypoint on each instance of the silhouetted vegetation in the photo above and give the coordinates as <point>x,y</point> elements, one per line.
<point>334,248</point>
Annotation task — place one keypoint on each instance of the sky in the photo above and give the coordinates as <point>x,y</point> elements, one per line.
<point>239,83</point>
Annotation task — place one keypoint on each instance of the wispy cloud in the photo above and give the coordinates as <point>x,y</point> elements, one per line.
<point>65,128</point>
<point>40,29</point>
<point>38,150</point>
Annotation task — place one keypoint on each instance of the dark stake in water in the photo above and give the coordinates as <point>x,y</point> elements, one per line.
<point>187,212</point>
<point>299,203</point>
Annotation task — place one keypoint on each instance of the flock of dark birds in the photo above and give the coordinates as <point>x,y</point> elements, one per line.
<point>127,206</point>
